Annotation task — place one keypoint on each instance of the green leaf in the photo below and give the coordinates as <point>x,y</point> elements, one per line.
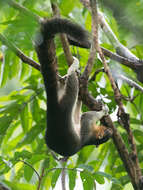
<point>11,144</point>
<point>120,169</point>
<point>25,69</point>
<point>28,173</point>
<point>72,179</point>
<point>15,66</point>
<point>35,109</point>
<point>36,158</point>
<point>5,68</point>
<point>24,115</point>
<point>46,162</point>
<point>99,178</point>
<point>135,121</point>
<point>4,167</point>
<point>11,108</point>
<point>138,134</point>
<point>23,154</point>
<point>65,8</point>
<point>86,167</point>
<point>84,154</point>
<point>31,135</point>
<point>55,177</point>
<point>5,122</point>
<point>87,180</point>
<point>17,186</point>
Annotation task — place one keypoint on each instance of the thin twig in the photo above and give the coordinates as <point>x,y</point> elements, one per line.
<point>54,155</point>
<point>129,62</point>
<point>130,82</point>
<point>63,173</point>
<point>71,169</point>
<point>95,73</point>
<point>26,163</point>
<point>41,177</point>
<point>86,97</point>
<point>63,179</point>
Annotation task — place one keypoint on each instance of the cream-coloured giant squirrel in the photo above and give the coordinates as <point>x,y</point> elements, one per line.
<point>67,129</point>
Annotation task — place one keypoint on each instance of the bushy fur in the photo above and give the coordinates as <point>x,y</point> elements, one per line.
<point>62,136</point>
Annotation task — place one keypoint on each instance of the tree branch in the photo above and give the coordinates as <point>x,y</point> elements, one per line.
<point>19,53</point>
<point>129,62</point>
<point>63,172</point>
<point>119,76</point>
<point>92,54</point>
<point>130,82</point>
<point>2,187</point>
<point>41,177</point>
<point>64,40</point>
<point>91,101</point>
<point>125,56</point>
<point>134,172</point>
<point>120,49</point>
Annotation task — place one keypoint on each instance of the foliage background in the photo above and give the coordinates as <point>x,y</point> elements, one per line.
<point>23,153</point>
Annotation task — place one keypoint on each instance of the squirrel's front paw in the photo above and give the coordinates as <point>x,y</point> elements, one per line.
<point>105,109</point>
<point>75,65</point>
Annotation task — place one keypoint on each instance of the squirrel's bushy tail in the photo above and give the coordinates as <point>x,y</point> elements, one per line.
<point>77,35</point>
